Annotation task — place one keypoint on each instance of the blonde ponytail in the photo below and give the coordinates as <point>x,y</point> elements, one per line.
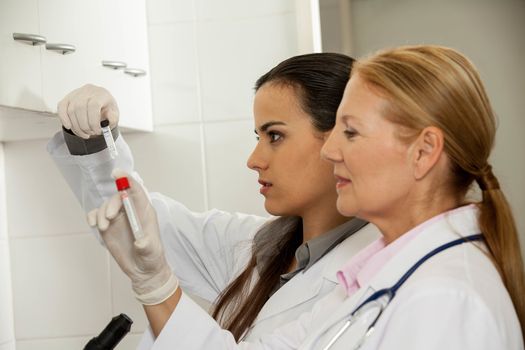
<point>501,236</point>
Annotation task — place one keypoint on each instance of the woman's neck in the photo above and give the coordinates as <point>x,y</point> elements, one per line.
<point>402,219</point>
<point>317,225</point>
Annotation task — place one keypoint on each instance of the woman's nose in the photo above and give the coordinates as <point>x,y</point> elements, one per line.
<point>329,151</point>
<point>256,160</point>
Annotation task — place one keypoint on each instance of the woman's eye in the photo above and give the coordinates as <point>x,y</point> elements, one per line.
<point>274,137</point>
<point>350,133</point>
<point>257,137</point>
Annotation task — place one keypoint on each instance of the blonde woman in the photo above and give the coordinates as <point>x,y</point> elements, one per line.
<point>447,273</point>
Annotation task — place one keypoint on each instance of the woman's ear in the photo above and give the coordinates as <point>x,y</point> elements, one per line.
<point>428,149</point>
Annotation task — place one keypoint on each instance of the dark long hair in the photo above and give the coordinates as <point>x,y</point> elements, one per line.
<point>319,81</point>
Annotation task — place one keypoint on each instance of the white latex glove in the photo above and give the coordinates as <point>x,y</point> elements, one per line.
<point>83,109</point>
<point>142,260</point>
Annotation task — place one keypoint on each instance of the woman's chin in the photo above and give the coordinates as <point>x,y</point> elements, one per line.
<point>275,210</point>
<point>345,209</point>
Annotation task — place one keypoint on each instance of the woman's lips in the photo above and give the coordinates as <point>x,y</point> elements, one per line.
<point>341,182</point>
<point>265,186</point>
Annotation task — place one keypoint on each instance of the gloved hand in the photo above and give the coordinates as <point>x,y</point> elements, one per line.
<point>83,109</point>
<point>142,260</point>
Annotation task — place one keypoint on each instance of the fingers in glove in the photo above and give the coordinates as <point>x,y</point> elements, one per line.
<point>102,220</point>
<point>114,205</point>
<point>111,113</point>
<point>144,246</point>
<point>94,114</point>
<point>92,218</point>
<point>62,113</point>
<point>118,173</point>
<point>81,112</point>
<point>71,111</point>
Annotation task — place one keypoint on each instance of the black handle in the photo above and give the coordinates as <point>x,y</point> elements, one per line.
<point>112,334</point>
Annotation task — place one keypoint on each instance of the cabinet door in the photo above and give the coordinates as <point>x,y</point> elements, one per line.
<point>36,78</point>
<point>74,23</point>
<point>126,40</point>
<point>20,71</point>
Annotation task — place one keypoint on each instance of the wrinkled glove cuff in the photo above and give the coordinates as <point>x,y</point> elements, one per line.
<point>159,295</point>
<point>78,146</point>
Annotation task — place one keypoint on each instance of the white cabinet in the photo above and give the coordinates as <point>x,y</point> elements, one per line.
<point>35,78</point>
<point>125,39</point>
<point>73,23</point>
<point>20,69</point>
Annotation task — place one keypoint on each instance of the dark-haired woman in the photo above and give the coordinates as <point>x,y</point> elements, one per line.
<point>260,273</point>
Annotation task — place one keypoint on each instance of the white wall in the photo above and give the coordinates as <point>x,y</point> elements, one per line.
<point>7,336</point>
<point>205,56</point>
<point>491,33</point>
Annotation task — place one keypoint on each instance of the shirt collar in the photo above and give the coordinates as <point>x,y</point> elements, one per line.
<point>312,251</point>
<point>362,268</point>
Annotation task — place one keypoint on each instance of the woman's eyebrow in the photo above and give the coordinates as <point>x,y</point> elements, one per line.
<point>265,126</point>
<point>349,117</point>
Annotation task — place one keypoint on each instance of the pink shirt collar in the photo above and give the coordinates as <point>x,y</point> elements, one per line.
<point>359,270</point>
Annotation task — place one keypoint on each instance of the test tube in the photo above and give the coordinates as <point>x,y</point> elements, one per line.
<point>122,186</point>
<point>108,137</point>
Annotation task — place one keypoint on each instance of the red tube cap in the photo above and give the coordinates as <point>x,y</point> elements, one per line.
<point>122,183</point>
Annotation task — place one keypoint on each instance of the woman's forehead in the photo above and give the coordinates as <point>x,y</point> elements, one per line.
<point>278,103</point>
<point>359,101</point>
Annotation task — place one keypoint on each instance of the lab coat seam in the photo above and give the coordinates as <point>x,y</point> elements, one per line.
<point>427,295</point>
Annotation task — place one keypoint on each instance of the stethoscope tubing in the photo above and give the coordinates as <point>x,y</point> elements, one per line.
<point>391,291</point>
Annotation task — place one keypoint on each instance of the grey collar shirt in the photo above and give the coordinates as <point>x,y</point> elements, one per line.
<point>313,250</point>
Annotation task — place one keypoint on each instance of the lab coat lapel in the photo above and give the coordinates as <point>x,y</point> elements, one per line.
<point>305,286</point>
<point>347,249</point>
<point>298,290</point>
<point>461,223</point>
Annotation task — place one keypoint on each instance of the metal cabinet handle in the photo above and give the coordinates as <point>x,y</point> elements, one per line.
<point>114,64</point>
<point>64,49</point>
<point>33,39</point>
<point>136,72</point>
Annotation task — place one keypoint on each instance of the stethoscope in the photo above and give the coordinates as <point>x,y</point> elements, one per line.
<point>362,320</point>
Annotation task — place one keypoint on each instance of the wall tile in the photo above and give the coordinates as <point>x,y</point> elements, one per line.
<point>6,313</point>
<point>173,73</point>
<point>53,344</point>
<point>169,161</point>
<point>212,9</point>
<point>168,11</point>
<point>231,185</point>
<point>36,190</point>
<point>233,54</point>
<point>8,346</point>
<point>60,286</point>
<point>123,299</point>
<point>3,207</point>
<point>130,342</point>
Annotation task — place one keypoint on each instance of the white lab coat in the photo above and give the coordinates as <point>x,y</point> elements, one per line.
<point>456,300</point>
<point>206,250</point>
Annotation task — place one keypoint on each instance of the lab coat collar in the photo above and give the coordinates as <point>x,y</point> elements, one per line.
<point>457,223</point>
<point>307,284</point>
<point>454,224</point>
<point>348,249</point>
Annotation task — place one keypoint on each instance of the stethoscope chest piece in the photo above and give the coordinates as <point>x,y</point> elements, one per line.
<point>360,325</point>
